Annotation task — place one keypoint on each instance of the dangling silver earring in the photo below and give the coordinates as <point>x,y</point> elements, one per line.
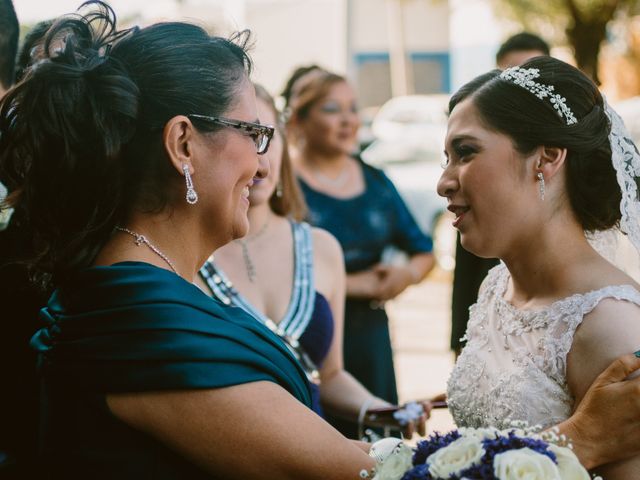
<point>279,189</point>
<point>541,185</point>
<point>192,196</point>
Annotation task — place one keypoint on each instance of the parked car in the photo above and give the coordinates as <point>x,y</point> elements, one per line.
<point>409,146</point>
<point>408,117</point>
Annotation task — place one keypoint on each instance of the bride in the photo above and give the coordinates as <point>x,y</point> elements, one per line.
<point>536,159</point>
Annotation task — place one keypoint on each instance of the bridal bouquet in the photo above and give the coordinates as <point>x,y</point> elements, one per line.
<point>469,454</point>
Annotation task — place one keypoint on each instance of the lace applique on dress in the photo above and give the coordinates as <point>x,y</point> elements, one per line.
<point>514,364</point>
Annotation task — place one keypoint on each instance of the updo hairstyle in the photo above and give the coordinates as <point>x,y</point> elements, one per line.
<point>81,135</point>
<point>503,106</point>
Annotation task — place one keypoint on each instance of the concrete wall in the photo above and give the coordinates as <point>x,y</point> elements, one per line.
<point>475,35</point>
<point>290,33</point>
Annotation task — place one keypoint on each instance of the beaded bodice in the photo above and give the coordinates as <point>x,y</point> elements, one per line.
<point>513,366</point>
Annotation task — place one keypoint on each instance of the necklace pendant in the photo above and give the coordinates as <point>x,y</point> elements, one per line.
<point>139,239</point>
<point>248,263</point>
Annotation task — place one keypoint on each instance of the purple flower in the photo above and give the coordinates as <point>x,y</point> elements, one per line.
<point>514,442</point>
<point>421,472</point>
<point>431,444</point>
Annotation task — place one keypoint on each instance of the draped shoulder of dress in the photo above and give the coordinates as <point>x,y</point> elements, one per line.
<point>133,327</point>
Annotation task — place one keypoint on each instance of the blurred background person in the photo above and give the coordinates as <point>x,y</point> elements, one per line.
<point>9,34</point>
<point>306,303</point>
<point>360,206</point>
<point>519,48</point>
<point>471,270</point>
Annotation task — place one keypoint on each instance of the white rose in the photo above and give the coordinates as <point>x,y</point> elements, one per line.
<point>458,455</point>
<point>524,463</point>
<point>568,464</point>
<point>395,465</point>
<point>480,433</point>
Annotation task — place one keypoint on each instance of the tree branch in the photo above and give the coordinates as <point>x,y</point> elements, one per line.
<point>574,11</point>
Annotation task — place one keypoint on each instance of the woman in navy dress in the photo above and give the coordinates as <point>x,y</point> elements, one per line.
<point>360,206</point>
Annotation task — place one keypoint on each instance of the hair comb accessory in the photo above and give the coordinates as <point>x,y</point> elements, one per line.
<point>526,78</point>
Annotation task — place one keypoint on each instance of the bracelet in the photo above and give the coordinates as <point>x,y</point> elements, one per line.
<point>361,414</point>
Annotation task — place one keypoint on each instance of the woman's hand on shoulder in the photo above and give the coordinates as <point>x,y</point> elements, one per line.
<point>611,329</point>
<point>605,426</point>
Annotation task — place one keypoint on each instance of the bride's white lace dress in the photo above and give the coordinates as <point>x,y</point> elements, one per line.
<point>514,364</point>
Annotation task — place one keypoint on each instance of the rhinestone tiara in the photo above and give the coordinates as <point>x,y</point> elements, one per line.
<point>525,78</point>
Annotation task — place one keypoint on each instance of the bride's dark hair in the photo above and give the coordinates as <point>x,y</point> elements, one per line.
<point>530,122</point>
<point>81,135</point>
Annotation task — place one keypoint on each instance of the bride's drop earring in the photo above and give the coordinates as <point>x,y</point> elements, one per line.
<point>541,185</point>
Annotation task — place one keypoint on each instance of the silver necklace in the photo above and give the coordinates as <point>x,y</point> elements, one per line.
<point>246,256</point>
<point>337,182</point>
<point>142,240</point>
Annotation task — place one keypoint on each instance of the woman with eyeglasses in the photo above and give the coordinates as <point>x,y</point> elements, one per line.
<point>359,205</point>
<point>291,278</point>
<point>133,153</point>
<point>143,375</point>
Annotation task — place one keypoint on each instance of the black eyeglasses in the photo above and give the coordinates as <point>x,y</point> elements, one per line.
<point>261,134</point>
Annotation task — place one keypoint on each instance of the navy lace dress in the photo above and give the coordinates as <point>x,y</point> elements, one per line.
<point>308,321</point>
<point>365,225</point>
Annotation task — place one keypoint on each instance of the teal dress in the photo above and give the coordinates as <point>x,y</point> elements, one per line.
<point>133,327</point>
<point>365,225</point>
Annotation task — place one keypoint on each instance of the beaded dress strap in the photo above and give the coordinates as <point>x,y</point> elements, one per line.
<point>303,294</point>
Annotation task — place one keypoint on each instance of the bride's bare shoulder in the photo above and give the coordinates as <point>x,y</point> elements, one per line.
<point>610,329</point>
